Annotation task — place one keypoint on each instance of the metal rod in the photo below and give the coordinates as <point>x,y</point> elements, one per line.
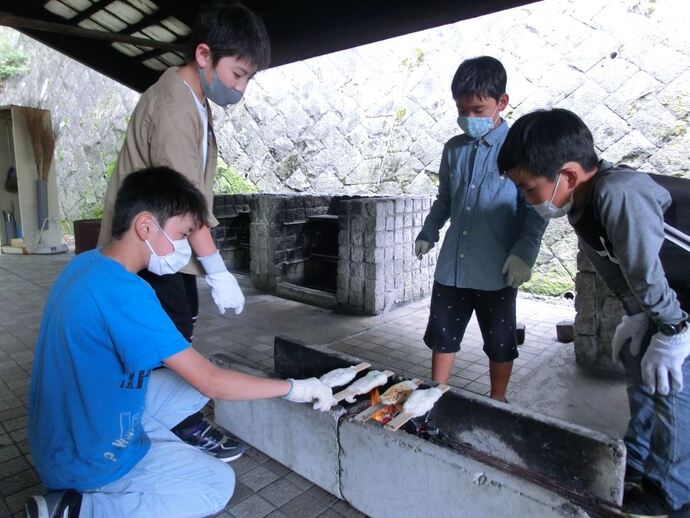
<point>18,22</point>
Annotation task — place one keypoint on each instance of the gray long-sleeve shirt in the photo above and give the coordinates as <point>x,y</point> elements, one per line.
<point>621,230</point>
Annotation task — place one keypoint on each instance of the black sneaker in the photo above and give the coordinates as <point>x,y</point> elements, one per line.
<point>57,504</point>
<point>651,487</point>
<point>210,439</point>
<point>638,503</point>
<point>633,478</point>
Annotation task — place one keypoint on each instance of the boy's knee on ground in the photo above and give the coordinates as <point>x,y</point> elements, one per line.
<point>221,485</point>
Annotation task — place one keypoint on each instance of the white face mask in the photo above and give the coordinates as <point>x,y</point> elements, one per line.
<point>547,210</point>
<point>172,262</point>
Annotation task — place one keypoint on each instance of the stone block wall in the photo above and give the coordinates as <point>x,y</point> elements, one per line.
<point>232,234</point>
<point>598,314</point>
<point>377,269</point>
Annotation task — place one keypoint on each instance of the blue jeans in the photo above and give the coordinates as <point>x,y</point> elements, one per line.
<point>658,435</point>
<point>173,479</point>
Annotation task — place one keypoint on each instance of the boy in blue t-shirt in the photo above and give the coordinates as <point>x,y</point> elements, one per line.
<point>618,215</point>
<point>99,415</point>
<point>493,239</point>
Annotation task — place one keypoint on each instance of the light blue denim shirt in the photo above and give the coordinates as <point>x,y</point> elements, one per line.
<point>488,216</point>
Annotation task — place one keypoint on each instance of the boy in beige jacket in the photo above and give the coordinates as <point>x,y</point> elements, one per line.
<point>172,125</point>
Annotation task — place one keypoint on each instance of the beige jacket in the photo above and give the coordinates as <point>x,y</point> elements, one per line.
<point>165,130</point>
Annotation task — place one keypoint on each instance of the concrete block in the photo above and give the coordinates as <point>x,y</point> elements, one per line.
<point>390,207</point>
<point>293,434</point>
<point>357,270</point>
<point>390,223</point>
<point>399,222</point>
<point>398,236</point>
<point>426,480</point>
<point>407,220</point>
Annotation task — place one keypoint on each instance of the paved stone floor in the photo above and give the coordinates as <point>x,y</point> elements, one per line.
<point>545,376</point>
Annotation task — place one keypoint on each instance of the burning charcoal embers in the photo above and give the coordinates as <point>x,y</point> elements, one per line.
<point>399,392</point>
<point>340,377</point>
<point>389,404</point>
<point>363,385</point>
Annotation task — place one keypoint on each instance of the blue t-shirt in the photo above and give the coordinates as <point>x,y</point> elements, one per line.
<point>103,330</point>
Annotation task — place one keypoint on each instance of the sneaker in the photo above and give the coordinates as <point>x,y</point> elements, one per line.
<point>210,439</point>
<point>57,504</point>
<point>633,477</point>
<point>638,503</point>
<point>653,488</point>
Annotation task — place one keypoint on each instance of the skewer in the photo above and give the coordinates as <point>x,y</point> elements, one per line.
<point>368,413</point>
<point>362,366</point>
<point>347,392</point>
<point>403,417</point>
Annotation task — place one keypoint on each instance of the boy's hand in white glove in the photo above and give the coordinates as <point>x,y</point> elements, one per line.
<point>516,271</point>
<point>311,389</point>
<point>633,328</point>
<point>664,360</point>
<point>225,291</point>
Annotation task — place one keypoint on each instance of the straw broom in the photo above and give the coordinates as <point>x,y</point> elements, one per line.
<point>43,139</point>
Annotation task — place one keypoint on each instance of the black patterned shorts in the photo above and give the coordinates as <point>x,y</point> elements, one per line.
<point>450,312</point>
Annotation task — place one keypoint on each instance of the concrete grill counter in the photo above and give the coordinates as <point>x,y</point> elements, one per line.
<point>497,460</point>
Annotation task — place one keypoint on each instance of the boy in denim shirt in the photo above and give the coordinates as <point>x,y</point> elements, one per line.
<point>493,239</point>
<point>618,215</point>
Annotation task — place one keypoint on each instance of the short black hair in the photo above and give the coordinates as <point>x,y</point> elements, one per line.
<point>161,191</point>
<point>542,141</point>
<point>483,76</point>
<point>230,29</point>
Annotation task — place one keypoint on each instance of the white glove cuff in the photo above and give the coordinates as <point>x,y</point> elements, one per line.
<point>213,263</point>
<point>292,386</point>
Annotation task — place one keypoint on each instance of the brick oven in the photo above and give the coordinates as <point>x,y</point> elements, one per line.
<point>351,252</point>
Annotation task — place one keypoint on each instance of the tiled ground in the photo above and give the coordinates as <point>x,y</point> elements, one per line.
<point>265,488</point>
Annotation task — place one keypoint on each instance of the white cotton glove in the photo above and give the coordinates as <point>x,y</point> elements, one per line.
<point>633,328</point>
<point>311,389</point>
<point>225,291</point>
<point>516,271</point>
<point>421,247</point>
<point>664,360</point>
<point>339,377</point>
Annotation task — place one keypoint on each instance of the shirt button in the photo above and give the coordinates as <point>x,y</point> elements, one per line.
<point>462,255</point>
<point>464,232</point>
<point>472,186</point>
<point>468,209</point>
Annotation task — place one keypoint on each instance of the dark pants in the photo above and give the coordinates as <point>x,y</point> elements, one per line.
<point>451,310</point>
<point>178,295</point>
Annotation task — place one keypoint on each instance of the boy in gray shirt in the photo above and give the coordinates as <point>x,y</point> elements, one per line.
<point>618,215</point>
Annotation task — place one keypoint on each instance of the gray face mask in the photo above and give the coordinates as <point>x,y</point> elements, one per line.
<point>217,91</point>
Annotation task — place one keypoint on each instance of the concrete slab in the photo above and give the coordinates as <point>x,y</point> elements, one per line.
<point>392,474</point>
<point>293,434</point>
<point>570,456</point>
<point>560,388</point>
